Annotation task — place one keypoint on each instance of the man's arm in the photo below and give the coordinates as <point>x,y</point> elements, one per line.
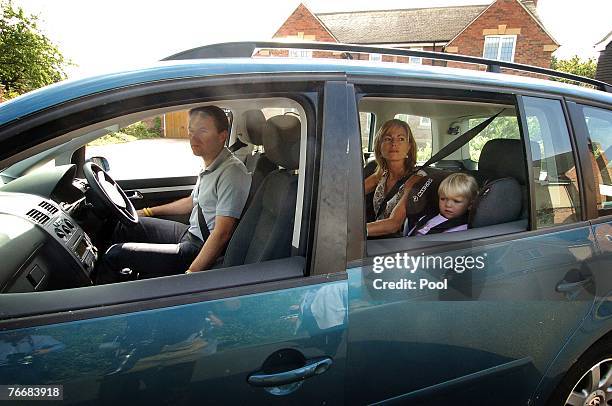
<point>215,243</point>
<point>181,206</point>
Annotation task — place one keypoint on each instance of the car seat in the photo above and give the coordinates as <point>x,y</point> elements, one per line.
<point>505,158</point>
<point>265,231</point>
<point>257,162</point>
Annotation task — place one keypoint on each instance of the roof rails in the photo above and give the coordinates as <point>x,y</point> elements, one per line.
<point>247,49</point>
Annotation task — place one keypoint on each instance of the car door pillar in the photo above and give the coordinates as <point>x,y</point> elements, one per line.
<point>331,204</point>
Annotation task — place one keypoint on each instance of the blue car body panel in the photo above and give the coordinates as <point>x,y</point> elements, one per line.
<point>505,322</point>
<point>188,354</point>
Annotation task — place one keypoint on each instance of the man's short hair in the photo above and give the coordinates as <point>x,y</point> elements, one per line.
<point>217,114</point>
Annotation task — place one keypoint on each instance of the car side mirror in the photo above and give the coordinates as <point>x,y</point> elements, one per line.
<point>100,161</point>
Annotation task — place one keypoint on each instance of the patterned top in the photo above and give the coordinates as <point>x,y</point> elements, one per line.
<point>379,196</point>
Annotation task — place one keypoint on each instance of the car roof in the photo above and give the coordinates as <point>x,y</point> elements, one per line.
<point>73,89</point>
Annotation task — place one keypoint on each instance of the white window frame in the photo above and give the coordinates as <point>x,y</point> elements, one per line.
<point>499,47</point>
<point>376,57</point>
<point>415,60</point>
<point>300,53</point>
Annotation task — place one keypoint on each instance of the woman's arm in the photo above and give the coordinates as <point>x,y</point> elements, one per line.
<point>396,220</point>
<point>370,183</point>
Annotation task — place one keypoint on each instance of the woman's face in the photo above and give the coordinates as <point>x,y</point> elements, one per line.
<point>395,144</point>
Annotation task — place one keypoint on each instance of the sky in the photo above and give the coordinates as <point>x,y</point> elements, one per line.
<point>110,35</point>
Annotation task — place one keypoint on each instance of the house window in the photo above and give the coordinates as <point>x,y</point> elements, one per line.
<point>500,47</point>
<point>417,60</point>
<point>376,57</point>
<point>300,53</point>
<point>424,122</point>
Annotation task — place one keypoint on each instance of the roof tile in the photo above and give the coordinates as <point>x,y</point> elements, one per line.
<point>400,26</point>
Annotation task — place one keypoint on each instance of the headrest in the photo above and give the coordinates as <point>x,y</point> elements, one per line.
<point>254,122</point>
<point>502,158</point>
<point>499,201</point>
<point>281,140</point>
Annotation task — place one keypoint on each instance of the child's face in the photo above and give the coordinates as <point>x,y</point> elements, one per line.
<point>453,206</point>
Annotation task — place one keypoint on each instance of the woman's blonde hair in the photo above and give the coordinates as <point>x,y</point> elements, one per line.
<point>378,139</point>
<point>459,184</point>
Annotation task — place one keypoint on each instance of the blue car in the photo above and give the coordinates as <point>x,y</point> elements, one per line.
<point>306,306</point>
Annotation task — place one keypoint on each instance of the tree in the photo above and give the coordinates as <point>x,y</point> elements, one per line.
<point>28,59</point>
<point>574,65</point>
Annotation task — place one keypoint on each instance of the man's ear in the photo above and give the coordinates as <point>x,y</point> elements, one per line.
<point>224,135</point>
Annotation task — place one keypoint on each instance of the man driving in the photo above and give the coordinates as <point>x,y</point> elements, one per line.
<point>157,247</point>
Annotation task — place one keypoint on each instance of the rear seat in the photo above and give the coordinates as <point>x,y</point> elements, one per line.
<point>502,164</point>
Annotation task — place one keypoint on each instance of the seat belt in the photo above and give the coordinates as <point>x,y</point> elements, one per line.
<point>459,141</point>
<point>237,145</point>
<point>443,153</point>
<point>202,224</point>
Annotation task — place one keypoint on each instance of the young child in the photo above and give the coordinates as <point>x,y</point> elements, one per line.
<point>456,193</point>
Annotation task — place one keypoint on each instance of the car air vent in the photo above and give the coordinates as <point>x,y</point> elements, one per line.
<point>38,216</point>
<point>48,207</point>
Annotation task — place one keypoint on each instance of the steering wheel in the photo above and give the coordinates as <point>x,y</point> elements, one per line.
<point>110,194</point>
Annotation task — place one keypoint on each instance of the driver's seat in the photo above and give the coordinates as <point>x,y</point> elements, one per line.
<point>265,231</point>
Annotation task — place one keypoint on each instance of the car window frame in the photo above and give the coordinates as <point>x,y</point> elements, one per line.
<point>447,89</point>
<point>37,308</point>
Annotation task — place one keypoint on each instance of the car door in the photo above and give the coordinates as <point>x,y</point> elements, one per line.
<point>260,333</point>
<point>482,335</point>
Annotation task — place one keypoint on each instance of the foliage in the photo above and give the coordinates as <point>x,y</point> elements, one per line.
<point>133,132</point>
<point>424,152</point>
<point>28,59</point>
<point>140,130</point>
<point>501,127</point>
<point>574,65</point>
<point>113,138</point>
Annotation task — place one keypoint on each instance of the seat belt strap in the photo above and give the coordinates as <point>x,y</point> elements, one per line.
<point>202,224</point>
<point>237,145</point>
<point>459,141</point>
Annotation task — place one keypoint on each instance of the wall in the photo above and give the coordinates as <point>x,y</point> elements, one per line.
<point>505,17</point>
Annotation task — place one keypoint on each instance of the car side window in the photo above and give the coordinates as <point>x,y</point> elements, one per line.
<point>557,196</point>
<point>155,147</point>
<point>599,125</point>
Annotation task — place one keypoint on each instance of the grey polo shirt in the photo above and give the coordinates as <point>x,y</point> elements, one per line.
<point>222,189</point>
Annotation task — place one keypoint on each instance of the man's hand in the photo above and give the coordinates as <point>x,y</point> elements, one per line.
<point>215,244</point>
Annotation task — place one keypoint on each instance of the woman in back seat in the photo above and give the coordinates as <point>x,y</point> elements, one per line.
<point>395,152</point>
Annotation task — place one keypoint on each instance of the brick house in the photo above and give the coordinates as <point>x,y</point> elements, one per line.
<point>604,64</point>
<point>507,30</point>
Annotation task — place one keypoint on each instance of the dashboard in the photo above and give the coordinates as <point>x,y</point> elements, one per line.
<point>41,246</point>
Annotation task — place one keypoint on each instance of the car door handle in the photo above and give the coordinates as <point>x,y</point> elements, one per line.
<point>134,195</point>
<point>564,286</point>
<point>313,367</point>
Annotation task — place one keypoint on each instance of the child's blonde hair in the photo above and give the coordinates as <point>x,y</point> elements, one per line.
<point>459,184</point>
